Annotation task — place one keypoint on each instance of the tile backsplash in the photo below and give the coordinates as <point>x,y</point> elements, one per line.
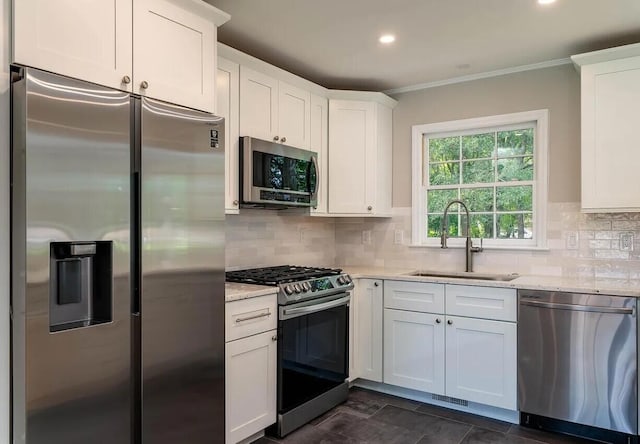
<point>579,245</point>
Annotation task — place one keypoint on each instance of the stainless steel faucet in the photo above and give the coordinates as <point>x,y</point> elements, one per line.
<point>469,248</point>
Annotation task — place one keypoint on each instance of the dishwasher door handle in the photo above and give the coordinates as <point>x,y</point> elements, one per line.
<point>573,307</point>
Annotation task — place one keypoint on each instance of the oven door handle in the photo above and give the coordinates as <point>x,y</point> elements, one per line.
<point>293,312</point>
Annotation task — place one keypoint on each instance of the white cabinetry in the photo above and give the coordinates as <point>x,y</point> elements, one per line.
<point>228,106</point>
<point>610,84</point>
<point>165,49</point>
<point>250,366</point>
<point>368,309</point>
<point>274,110</point>
<point>453,340</point>
<point>360,155</point>
<point>319,143</point>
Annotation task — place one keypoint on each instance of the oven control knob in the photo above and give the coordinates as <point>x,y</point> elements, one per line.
<point>306,286</point>
<point>288,290</point>
<point>347,278</point>
<point>297,288</point>
<point>341,280</point>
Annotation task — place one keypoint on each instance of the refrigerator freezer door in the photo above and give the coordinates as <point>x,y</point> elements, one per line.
<point>182,262</point>
<point>70,255</point>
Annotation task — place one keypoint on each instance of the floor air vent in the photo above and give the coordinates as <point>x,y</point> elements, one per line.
<point>450,400</point>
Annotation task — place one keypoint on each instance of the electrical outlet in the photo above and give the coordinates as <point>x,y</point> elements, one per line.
<point>571,240</point>
<point>366,237</point>
<point>626,241</point>
<point>398,237</point>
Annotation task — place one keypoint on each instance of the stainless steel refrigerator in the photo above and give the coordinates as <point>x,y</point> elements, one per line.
<point>117,266</point>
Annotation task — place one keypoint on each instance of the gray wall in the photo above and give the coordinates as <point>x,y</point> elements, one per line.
<point>556,89</point>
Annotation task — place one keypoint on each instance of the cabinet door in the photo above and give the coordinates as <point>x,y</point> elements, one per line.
<point>228,106</point>
<point>481,361</point>
<point>258,105</point>
<point>320,144</point>
<point>250,386</point>
<point>294,116</point>
<point>610,136</point>
<point>369,331</point>
<point>174,49</point>
<point>89,40</point>
<point>414,350</point>
<point>351,156</point>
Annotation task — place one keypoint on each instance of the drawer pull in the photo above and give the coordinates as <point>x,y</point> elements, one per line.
<point>261,315</point>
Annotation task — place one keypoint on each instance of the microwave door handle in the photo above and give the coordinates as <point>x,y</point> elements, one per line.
<point>314,161</point>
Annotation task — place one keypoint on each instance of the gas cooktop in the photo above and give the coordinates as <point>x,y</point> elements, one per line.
<point>295,283</point>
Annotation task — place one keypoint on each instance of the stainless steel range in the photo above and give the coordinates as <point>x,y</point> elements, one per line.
<point>313,339</point>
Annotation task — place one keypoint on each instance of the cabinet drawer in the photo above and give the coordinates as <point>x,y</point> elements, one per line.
<point>250,316</point>
<point>414,296</point>
<point>481,302</point>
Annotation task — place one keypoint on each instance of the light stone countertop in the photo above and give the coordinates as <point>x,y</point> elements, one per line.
<point>614,287</point>
<point>234,291</point>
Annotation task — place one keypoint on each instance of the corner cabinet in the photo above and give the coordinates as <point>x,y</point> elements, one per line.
<point>274,110</point>
<point>165,49</point>
<point>360,154</point>
<point>610,92</point>
<point>228,106</point>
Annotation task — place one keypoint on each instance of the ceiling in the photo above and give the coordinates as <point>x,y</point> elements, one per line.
<point>335,42</point>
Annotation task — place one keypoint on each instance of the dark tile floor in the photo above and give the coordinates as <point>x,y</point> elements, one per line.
<point>376,418</point>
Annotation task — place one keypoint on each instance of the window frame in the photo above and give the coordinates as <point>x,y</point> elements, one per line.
<point>540,121</point>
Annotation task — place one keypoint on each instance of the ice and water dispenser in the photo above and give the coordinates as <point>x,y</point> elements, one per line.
<point>80,292</point>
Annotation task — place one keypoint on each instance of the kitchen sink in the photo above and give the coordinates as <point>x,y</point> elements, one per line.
<point>466,275</point>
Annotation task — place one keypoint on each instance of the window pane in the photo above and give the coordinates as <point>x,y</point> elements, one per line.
<point>446,148</point>
<point>434,225</point>
<point>478,199</point>
<point>479,171</point>
<point>515,226</point>
<point>515,198</point>
<point>515,168</point>
<point>438,199</point>
<point>515,143</point>
<point>444,173</point>
<point>478,145</point>
<point>482,225</point>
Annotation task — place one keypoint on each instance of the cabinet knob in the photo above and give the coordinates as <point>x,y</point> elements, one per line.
<point>375,284</point>
<point>369,208</point>
<point>126,80</point>
<point>450,322</point>
<point>235,202</point>
<point>144,84</point>
<point>438,320</point>
<point>284,139</point>
<point>274,338</point>
<point>276,138</point>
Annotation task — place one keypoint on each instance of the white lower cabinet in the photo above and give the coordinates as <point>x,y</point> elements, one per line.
<point>368,337</point>
<point>414,350</point>
<point>462,357</point>
<point>250,366</point>
<point>481,363</point>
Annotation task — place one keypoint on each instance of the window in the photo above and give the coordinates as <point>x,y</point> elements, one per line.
<point>496,165</point>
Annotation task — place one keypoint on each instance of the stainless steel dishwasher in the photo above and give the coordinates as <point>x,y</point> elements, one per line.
<point>577,370</point>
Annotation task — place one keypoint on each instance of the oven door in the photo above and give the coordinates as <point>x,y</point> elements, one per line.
<point>313,349</point>
<point>278,174</point>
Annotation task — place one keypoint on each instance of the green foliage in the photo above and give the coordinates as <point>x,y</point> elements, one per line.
<point>506,156</point>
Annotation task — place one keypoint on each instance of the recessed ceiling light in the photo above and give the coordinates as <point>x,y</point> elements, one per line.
<point>387,38</point>
<point>546,2</point>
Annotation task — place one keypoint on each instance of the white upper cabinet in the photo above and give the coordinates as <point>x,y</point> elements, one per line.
<point>320,144</point>
<point>274,110</point>
<point>610,84</point>
<point>165,49</point>
<point>228,106</point>
<point>360,155</point>
<point>89,39</point>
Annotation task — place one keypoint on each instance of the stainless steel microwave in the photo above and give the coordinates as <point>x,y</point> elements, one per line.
<point>273,174</point>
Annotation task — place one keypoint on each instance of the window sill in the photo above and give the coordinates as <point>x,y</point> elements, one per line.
<point>486,247</point>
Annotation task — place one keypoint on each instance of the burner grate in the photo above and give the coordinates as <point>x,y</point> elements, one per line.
<point>279,275</point>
